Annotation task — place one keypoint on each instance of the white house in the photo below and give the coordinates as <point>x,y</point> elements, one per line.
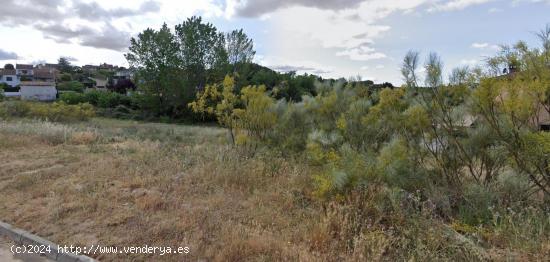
<point>9,76</point>
<point>25,71</point>
<point>40,91</point>
<point>100,84</point>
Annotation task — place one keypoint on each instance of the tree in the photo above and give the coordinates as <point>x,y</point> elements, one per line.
<point>240,48</point>
<point>64,65</point>
<point>154,56</point>
<point>219,103</point>
<point>201,49</point>
<point>9,67</point>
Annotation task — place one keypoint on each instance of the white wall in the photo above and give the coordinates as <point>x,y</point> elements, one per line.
<point>40,93</point>
<point>29,72</point>
<point>15,80</point>
<point>12,94</point>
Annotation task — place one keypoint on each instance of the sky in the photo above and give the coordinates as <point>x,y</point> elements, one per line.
<point>331,38</point>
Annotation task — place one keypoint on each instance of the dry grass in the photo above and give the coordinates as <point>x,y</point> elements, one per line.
<point>123,183</point>
<point>119,187</point>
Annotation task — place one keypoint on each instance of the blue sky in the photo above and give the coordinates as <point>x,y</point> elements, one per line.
<point>332,38</point>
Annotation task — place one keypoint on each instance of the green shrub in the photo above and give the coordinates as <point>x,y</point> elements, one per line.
<point>73,98</point>
<point>92,97</point>
<point>15,108</point>
<point>475,208</point>
<point>71,86</point>
<point>65,77</point>
<point>111,100</point>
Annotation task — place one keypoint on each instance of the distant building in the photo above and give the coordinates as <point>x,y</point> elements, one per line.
<point>106,66</point>
<point>47,66</point>
<point>24,71</point>
<point>9,77</point>
<point>124,74</point>
<point>99,84</point>
<point>38,91</point>
<point>90,68</point>
<point>45,75</point>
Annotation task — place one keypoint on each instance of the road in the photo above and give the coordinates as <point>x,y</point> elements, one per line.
<point>7,256</point>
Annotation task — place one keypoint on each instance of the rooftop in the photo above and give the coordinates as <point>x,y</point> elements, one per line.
<point>4,72</point>
<point>44,73</point>
<point>23,66</point>
<point>36,83</point>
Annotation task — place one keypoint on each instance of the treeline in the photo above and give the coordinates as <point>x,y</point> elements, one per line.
<point>172,65</point>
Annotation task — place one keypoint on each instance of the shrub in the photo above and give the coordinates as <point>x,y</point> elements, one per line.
<point>98,98</point>
<point>15,109</point>
<point>475,208</point>
<point>111,100</point>
<point>73,98</point>
<point>92,97</point>
<point>71,86</point>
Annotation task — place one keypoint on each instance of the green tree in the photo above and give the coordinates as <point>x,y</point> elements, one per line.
<point>240,48</point>
<point>154,56</point>
<point>64,65</point>
<point>201,49</point>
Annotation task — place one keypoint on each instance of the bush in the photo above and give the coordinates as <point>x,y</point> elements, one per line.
<point>73,98</point>
<point>111,100</point>
<point>7,88</point>
<point>476,206</point>
<point>14,109</point>
<point>71,86</point>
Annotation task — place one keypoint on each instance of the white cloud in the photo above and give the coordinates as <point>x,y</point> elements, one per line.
<point>485,46</point>
<point>454,5</point>
<point>362,53</point>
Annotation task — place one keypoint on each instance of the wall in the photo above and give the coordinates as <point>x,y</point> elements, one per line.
<point>40,93</point>
<point>14,82</point>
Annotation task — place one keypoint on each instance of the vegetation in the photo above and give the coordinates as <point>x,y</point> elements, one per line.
<point>56,112</point>
<point>451,169</point>
<point>74,86</point>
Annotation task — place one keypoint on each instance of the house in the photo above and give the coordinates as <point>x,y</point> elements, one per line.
<point>90,68</point>
<point>124,74</point>
<point>45,75</point>
<point>106,66</point>
<point>39,91</point>
<point>100,84</point>
<point>24,71</point>
<point>47,66</point>
<point>9,77</point>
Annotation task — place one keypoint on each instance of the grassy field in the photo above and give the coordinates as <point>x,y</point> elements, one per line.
<point>122,183</point>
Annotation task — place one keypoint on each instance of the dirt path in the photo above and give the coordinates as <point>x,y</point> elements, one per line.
<point>7,256</point>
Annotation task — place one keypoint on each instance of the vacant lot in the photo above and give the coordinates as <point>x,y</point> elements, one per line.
<point>122,183</point>
<point>118,183</point>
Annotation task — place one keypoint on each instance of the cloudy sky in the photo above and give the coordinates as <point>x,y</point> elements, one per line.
<point>333,38</point>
